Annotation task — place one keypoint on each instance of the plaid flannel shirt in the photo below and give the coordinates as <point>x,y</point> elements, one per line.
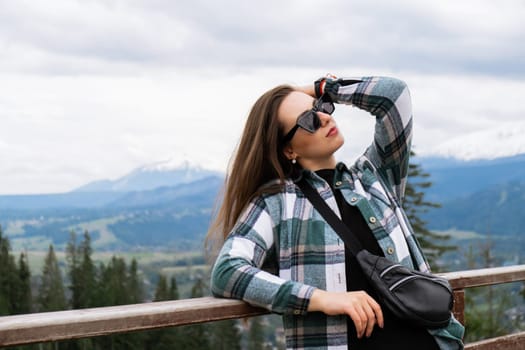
<point>281,248</point>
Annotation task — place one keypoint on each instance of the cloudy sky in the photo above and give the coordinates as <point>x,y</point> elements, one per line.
<point>95,88</point>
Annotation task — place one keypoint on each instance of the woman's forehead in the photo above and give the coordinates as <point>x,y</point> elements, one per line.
<point>294,104</point>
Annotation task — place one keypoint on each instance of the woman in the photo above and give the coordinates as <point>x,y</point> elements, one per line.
<point>278,251</point>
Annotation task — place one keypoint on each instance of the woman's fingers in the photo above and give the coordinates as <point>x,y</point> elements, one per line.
<point>371,317</point>
<point>365,314</point>
<point>359,319</point>
<point>364,311</point>
<point>377,312</point>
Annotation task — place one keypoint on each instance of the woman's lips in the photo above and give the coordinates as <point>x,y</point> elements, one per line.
<point>333,131</point>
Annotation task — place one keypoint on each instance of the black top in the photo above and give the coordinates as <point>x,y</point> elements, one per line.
<point>396,334</point>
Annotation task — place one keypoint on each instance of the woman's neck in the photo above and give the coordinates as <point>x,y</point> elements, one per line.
<point>318,164</point>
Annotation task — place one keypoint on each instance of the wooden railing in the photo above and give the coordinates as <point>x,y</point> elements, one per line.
<point>73,324</point>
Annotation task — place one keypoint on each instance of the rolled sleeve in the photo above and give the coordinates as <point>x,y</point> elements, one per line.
<point>237,271</point>
<point>388,99</point>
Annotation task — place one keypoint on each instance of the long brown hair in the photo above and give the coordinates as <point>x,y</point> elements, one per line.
<point>258,159</point>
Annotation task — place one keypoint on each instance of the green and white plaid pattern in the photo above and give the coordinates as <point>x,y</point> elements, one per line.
<point>281,249</point>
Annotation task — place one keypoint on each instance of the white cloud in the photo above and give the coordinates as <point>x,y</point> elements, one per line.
<point>92,89</point>
<point>451,107</point>
<point>101,36</point>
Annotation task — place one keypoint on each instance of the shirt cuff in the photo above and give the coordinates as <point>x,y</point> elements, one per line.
<point>293,298</point>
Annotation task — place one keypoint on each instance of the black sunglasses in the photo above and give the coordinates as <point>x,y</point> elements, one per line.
<point>309,120</point>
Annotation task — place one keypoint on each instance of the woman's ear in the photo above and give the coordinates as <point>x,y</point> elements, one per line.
<point>289,153</point>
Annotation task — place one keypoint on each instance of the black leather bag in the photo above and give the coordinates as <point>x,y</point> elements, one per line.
<point>420,298</point>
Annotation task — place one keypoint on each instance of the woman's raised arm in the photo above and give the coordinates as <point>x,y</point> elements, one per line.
<point>388,99</point>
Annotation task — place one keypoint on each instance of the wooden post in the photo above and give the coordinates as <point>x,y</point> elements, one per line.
<point>459,305</point>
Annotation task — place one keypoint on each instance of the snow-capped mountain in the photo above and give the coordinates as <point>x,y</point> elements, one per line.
<point>151,176</point>
<point>171,164</point>
<point>504,141</point>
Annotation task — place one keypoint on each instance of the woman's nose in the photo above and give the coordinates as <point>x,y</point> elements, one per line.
<point>324,117</point>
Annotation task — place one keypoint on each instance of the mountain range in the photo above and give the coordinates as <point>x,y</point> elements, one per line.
<point>170,205</point>
<point>151,176</point>
<point>453,178</point>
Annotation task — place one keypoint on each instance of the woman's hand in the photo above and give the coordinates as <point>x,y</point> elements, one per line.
<point>307,89</point>
<point>364,311</point>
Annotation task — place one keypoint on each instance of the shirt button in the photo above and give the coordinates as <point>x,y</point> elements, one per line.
<point>372,220</point>
<point>338,183</point>
<point>297,312</point>
<point>390,250</point>
<point>353,200</point>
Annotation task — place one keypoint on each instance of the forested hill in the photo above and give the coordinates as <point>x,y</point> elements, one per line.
<point>484,196</point>
<point>453,178</point>
<point>497,210</point>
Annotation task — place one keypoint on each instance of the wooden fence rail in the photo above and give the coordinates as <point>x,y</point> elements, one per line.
<point>73,324</point>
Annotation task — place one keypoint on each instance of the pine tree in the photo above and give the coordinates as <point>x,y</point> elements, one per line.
<point>113,283</point>
<point>9,279</point>
<point>173,292</point>
<point>81,272</point>
<point>415,205</point>
<point>197,291</point>
<point>51,296</point>
<point>117,286</point>
<point>73,262</point>
<point>119,281</point>
<point>6,270</point>
<point>161,292</point>
<point>101,289</point>
<point>135,284</point>
<point>87,272</point>
<point>22,299</point>
<point>82,284</point>
<point>12,284</point>
<point>165,291</point>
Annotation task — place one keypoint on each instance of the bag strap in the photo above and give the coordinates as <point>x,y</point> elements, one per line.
<point>342,230</point>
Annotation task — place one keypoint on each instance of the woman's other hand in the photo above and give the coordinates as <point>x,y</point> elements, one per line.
<point>307,89</point>
<point>364,311</point>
